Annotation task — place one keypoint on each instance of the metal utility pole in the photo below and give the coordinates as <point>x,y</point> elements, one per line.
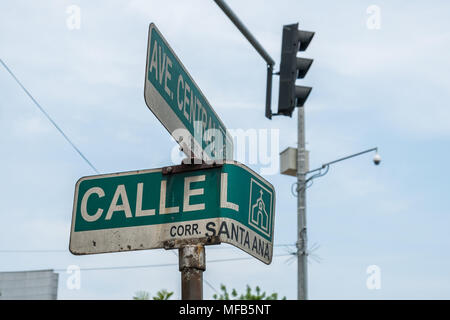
<point>292,96</point>
<point>302,262</point>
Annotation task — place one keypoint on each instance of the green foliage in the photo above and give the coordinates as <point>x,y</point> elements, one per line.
<point>163,295</point>
<point>160,295</point>
<point>224,295</point>
<point>141,295</point>
<point>248,295</point>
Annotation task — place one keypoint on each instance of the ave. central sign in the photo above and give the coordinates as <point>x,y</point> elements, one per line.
<point>147,209</point>
<point>178,103</point>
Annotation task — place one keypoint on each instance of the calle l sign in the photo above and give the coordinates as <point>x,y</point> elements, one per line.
<point>147,209</point>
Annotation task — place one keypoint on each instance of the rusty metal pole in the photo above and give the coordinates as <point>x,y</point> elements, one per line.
<point>192,264</point>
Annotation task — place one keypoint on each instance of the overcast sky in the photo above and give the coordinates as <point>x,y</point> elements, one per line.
<point>381,83</point>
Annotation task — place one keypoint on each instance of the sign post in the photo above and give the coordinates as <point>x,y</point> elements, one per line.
<point>192,264</point>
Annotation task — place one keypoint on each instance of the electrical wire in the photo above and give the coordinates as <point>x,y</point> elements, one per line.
<point>48,117</point>
<point>163,264</point>
<point>66,250</point>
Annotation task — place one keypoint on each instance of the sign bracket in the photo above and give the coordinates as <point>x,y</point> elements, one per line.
<point>180,243</point>
<point>188,167</point>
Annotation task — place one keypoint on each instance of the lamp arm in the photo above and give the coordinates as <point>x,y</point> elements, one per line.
<point>325,166</point>
<point>342,159</point>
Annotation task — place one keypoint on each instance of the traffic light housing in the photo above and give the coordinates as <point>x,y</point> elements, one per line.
<point>293,68</point>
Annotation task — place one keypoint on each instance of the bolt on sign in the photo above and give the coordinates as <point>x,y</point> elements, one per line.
<point>178,103</point>
<point>147,209</point>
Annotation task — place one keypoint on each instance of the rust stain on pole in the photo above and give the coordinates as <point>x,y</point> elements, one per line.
<point>192,263</point>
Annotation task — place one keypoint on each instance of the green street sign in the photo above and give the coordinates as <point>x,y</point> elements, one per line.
<point>155,208</point>
<point>178,103</point>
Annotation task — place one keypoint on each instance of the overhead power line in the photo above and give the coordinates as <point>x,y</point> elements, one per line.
<point>48,117</point>
<point>163,264</point>
<point>67,250</point>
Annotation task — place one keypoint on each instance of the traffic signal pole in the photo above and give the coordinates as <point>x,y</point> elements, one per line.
<point>258,47</point>
<point>290,96</point>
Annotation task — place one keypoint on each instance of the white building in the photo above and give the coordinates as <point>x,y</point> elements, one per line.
<point>29,285</point>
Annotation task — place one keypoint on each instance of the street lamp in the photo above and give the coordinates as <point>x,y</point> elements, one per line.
<point>323,170</point>
<point>295,162</point>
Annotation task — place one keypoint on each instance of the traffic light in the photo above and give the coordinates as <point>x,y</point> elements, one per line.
<point>293,68</point>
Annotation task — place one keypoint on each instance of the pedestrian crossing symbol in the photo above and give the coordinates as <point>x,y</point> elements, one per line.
<point>260,215</point>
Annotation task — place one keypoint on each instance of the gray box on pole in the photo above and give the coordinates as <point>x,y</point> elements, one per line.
<point>288,161</point>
